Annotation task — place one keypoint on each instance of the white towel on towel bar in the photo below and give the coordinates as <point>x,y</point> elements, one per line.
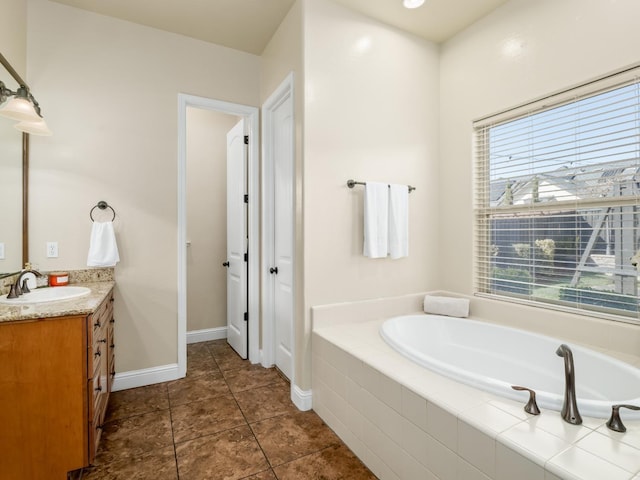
<point>398,221</point>
<point>376,220</point>
<point>103,249</point>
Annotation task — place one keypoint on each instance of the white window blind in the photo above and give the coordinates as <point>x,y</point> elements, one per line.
<point>557,199</point>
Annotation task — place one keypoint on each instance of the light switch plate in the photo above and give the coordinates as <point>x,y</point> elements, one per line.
<point>1,250</point>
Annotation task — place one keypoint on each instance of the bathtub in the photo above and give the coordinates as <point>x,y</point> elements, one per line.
<point>493,358</point>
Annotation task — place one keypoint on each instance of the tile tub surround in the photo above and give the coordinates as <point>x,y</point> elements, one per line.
<point>407,422</point>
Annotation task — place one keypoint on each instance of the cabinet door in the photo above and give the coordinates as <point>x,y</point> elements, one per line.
<point>43,398</point>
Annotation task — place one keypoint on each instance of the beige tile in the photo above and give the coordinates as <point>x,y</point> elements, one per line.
<point>466,471</point>
<point>414,408</point>
<point>511,465</point>
<point>611,449</point>
<point>577,463</point>
<point>442,425</point>
<point>477,448</point>
<point>533,442</point>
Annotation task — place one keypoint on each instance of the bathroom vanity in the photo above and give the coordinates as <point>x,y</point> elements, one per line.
<point>57,364</point>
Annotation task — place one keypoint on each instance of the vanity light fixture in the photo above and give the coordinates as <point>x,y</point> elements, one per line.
<point>412,3</point>
<point>21,105</point>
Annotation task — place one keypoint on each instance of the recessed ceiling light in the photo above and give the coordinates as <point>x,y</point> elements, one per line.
<point>412,3</point>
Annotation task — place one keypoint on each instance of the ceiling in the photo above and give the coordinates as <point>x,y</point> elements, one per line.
<point>248,25</point>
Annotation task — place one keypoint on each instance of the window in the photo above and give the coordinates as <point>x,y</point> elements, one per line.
<point>557,199</point>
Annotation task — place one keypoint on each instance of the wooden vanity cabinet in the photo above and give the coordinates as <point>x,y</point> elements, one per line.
<point>54,389</point>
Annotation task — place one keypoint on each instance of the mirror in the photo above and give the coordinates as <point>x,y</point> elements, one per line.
<point>13,191</point>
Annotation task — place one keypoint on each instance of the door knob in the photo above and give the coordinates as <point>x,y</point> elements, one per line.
<point>273,270</point>
<point>225,264</point>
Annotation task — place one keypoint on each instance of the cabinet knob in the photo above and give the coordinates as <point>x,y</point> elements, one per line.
<point>104,340</point>
<point>97,324</point>
<point>98,353</point>
<point>98,388</point>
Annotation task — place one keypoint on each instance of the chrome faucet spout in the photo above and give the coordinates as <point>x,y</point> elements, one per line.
<point>570,411</point>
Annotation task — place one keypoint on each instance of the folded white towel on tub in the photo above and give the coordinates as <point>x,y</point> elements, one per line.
<point>452,307</point>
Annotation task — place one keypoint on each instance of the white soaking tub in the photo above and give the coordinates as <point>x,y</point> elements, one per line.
<point>493,358</point>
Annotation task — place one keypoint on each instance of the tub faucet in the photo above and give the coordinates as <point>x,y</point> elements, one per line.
<point>570,412</point>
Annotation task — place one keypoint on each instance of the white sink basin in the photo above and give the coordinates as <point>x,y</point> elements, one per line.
<point>48,294</point>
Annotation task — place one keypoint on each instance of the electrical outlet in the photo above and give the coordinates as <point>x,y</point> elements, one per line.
<point>52,249</point>
<point>1,250</point>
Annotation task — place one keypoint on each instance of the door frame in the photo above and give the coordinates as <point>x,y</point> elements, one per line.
<point>251,116</point>
<point>281,93</point>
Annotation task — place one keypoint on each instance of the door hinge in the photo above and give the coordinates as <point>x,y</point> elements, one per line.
<point>246,139</point>
<point>246,316</point>
<point>246,257</point>
<point>246,198</point>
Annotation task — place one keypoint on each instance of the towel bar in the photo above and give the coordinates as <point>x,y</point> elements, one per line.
<point>353,183</point>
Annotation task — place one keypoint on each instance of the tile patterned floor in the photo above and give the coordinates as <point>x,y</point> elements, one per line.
<point>227,419</point>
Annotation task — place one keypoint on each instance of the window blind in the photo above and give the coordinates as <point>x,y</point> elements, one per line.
<point>557,189</point>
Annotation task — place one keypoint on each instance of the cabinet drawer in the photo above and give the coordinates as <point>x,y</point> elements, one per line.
<point>97,350</point>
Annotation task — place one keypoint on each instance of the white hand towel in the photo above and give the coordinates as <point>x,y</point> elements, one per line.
<point>398,221</point>
<point>452,307</point>
<point>376,220</point>
<point>103,250</point>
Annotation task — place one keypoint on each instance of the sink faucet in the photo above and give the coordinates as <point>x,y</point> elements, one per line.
<point>570,412</point>
<point>18,289</point>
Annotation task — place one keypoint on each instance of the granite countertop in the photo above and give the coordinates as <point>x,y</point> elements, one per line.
<point>84,305</point>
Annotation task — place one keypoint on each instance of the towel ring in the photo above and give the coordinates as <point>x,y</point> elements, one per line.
<point>102,205</point>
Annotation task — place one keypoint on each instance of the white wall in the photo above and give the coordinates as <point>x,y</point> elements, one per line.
<point>207,217</point>
<point>371,113</point>
<point>521,51</point>
<point>109,89</point>
<point>13,35</point>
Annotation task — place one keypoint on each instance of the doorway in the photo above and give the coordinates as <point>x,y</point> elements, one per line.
<point>250,117</point>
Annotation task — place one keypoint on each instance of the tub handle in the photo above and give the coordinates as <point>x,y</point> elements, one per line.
<point>531,406</point>
<point>615,423</point>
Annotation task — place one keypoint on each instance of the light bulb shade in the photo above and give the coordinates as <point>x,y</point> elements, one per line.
<point>21,109</point>
<point>412,3</point>
<point>38,127</point>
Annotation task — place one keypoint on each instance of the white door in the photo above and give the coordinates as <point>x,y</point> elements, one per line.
<point>283,234</point>
<point>236,240</point>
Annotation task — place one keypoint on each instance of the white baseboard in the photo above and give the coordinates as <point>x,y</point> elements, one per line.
<point>301,398</point>
<point>204,335</point>
<point>146,376</point>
